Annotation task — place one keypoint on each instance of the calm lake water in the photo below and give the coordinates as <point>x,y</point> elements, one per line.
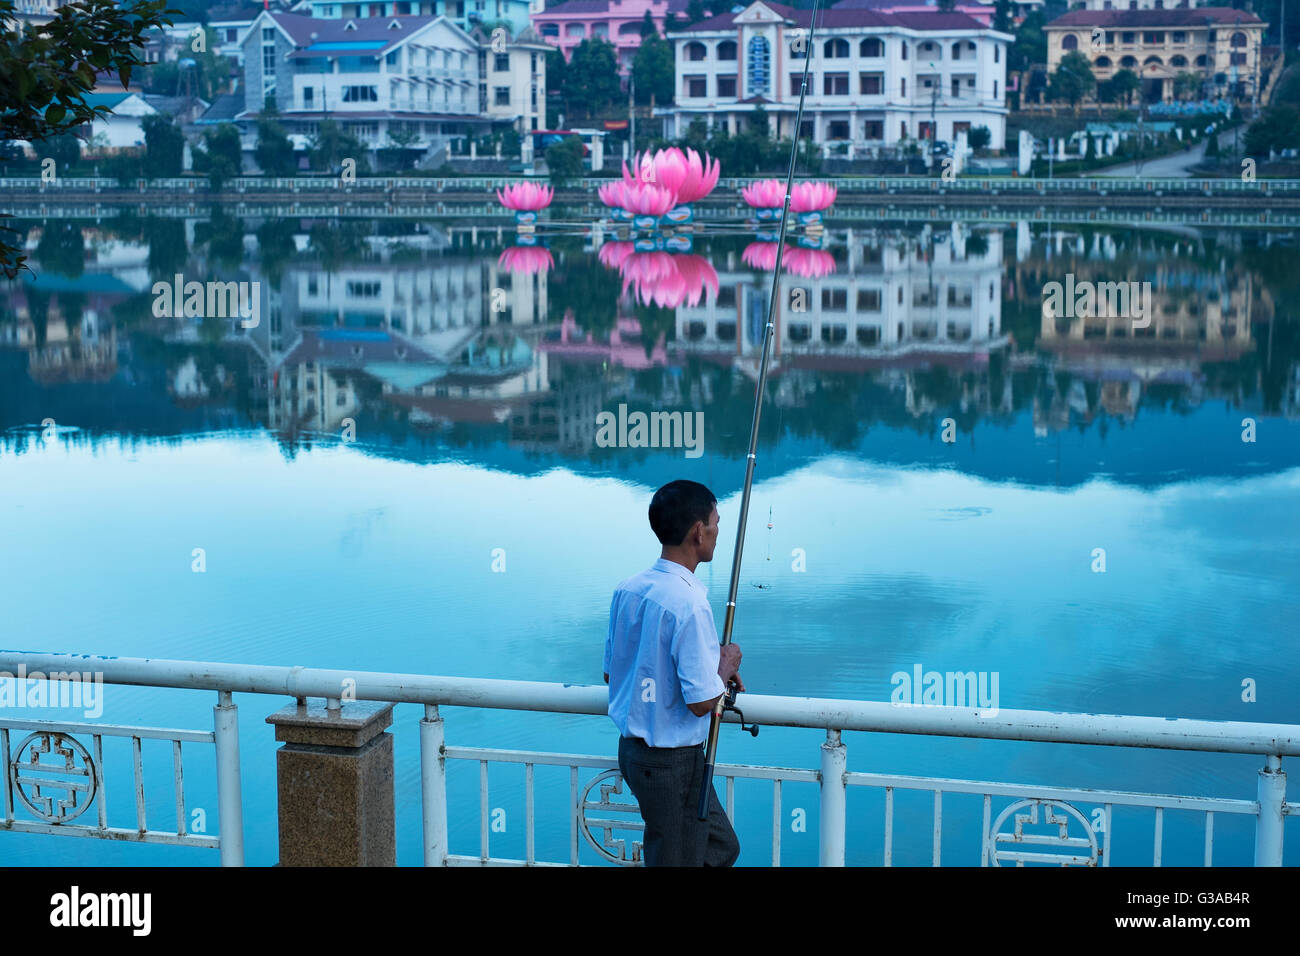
<point>939,460</point>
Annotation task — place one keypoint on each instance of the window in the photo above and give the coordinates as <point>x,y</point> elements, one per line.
<point>956,86</point>
<point>501,63</point>
<point>871,84</point>
<point>232,35</point>
<point>1153,61</point>
<point>997,53</point>
<point>1153,36</point>
<point>956,50</point>
<point>600,30</point>
<point>796,82</point>
<point>834,334</point>
<point>873,129</point>
<point>995,89</point>
<point>758,62</point>
<point>1238,39</point>
<point>903,45</point>
<point>726,86</point>
<point>837,129</point>
<point>695,51</point>
<point>696,86</point>
<point>836,49</point>
<point>363,290</point>
<point>926,130</point>
<point>868,300</point>
<point>308,98</point>
<point>1180,36</point>
<point>1070,42</point>
<point>1237,59</point>
<point>1128,62</point>
<point>1102,63</point>
<point>903,92</point>
<point>871,48</point>
<point>1178,61</point>
<point>360,94</point>
<point>835,299</point>
<point>868,335</point>
<point>268,34</point>
<point>1128,36</point>
<point>550,29</point>
<point>727,50</point>
<point>1201,60</point>
<point>501,96</point>
<point>835,84</point>
<point>574,30</point>
<point>927,48</point>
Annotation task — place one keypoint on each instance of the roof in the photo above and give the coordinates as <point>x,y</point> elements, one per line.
<point>580,7</point>
<point>841,17</point>
<point>224,108</point>
<point>1178,17</point>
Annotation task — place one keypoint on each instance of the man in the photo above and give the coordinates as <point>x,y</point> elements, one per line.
<point>666,672</point>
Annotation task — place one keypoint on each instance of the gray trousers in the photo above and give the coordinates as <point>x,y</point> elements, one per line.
<point>666,783</point>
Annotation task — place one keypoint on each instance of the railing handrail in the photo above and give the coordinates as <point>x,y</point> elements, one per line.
<point>816,712</point>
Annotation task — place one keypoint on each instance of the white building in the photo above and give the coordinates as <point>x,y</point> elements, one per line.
<point>122,126</point>
<point>875,78</point>
<point>381,77</point>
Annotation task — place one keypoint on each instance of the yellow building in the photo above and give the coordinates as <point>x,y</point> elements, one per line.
<point>1219,45</point>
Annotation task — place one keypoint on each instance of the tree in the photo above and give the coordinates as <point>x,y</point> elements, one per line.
<point>1073,79</point>
<point>557,74</point>
<point>48,69</point>
<point>946,6</point>
<point>221,155</point>
<point>396,152</point>
<point>591,78</point>
<point>653,69</point>
<point>209,70</point>
<point>1186,85</point>
<point>979,137</point>
<point>564,160</point>
<point>1123,85</point>
<point>164,147</point>
<point>1278,128</point>
<point>274,152</point>
<point>332,144</point>
<point>695,11</point>
<point>64,149</point>
<point>1031,44</point>
<point>1002,22</point>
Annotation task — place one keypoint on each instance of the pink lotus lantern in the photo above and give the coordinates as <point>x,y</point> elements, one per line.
<point>767,197</point>
<point>810,199</point>
<point>526,199</point>
<point>760,255</point>
<point>647,202</point>
<point>611,194</point>
<point>528,260</point>
<point>689,176</point>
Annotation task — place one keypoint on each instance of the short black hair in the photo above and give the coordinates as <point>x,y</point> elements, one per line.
<point>676,507</point>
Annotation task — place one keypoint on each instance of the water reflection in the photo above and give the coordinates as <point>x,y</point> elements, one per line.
<point>448,330</point>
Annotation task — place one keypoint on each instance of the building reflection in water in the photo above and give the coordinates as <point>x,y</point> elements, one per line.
<point>444,333</point>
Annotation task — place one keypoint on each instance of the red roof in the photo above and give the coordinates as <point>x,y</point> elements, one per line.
<point>1195,17</point>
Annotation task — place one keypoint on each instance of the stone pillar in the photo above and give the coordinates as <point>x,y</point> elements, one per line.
<point>334,778</point>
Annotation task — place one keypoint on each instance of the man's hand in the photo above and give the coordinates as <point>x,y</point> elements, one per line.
<point>729,662</point>
<point>740,684</point>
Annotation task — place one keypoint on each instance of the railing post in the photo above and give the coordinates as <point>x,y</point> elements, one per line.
<point>832,815</point>
<point>230,806</point>
<point>433,782</point>
<point>1271,793</point>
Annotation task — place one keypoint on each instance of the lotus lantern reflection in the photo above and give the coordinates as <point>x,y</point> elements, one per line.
<point>527,260</point>
<point>805,263</point>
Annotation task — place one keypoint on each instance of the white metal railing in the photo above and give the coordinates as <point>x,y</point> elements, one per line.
<point>1059,804</point>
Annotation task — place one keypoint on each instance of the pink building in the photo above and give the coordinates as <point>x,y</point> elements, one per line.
<point>565,25</point>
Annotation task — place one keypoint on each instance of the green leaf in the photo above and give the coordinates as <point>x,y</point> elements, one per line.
<point>54,115</point>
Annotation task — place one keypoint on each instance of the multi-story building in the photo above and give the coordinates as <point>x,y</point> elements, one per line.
<point>466,14</point>
<point>418,76</point>
<point>875,78</point>
<point>512,78</point>
<point>565,25</point>
<point>1219,45</point>
<point>1140,4</point>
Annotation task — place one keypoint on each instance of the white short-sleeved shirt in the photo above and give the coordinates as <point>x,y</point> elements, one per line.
<point>662,653</point>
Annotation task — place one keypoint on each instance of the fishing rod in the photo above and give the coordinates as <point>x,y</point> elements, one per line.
<point>728,700</point>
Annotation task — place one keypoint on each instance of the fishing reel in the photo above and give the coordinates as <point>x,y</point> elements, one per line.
<point>729,703</point>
